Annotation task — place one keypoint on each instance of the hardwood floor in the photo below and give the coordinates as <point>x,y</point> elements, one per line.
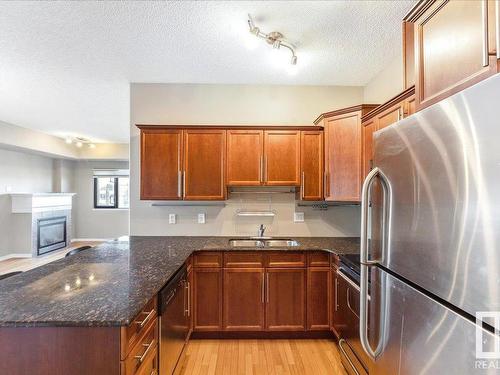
<point>25,264</point>
<point>245,357</point>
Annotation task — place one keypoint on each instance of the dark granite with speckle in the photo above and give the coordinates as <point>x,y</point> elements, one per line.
<point>110,284</point>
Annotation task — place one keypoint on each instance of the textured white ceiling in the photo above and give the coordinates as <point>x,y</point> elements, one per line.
<point>65,67</point>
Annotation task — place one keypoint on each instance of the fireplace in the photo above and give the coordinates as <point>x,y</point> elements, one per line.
<point>51,233</point>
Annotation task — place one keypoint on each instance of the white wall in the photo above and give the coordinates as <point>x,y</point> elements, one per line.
<point>90,222</point>
<point>386,84</point>
<point>20,172</point>
<point>235,105</point>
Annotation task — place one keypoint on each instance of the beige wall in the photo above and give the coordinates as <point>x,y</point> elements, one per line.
<point>235,104</point>
<point>386,84</point>
<point>96,223</point>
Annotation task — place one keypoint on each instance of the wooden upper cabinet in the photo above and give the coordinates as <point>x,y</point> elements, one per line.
<point>369,128</point>
<point>387,114</point>
<point>311,165</point>
<point>245,153</point>
<point>408,54</point>
<point>455,47</point>
<point>390,116</point>
<point>282,157</point>
<point>343,159</point>
<point>161,164</point>
<point>204,157</point>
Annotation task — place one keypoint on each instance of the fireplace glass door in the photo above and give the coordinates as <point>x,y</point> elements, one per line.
<point>51,234</point>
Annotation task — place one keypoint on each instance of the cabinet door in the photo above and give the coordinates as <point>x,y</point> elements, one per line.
<point>207,298</point>
<point>451,48</point>
<point>243,299</point>
<point>282,157</point>
<point>285,296</point>
<point>204,154</point>
<point>344,158</point>
<point>390,116</point>
<point>245,157</point>
<point>311,162</point>
<point>410,106</point>
<point>368,129</point>
<point>161,152</point>
<point>318,298</point>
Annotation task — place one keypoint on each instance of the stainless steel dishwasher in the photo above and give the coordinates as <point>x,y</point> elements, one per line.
<point>174,321</point>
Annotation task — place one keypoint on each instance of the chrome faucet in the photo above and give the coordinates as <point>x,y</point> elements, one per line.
<point>261,230</point>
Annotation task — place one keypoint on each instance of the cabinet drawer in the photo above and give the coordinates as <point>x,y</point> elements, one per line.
<point>318,259</point>
<point>286,259</point>
<point>143,355</point>
<point>133,332</point>
<point>243,260</point>
<point>208,259</point>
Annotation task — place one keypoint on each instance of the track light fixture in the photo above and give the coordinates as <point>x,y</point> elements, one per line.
<point>79,142</point>
<point>274,38</point>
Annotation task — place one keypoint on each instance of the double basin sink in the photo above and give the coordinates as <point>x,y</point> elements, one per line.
<point>263,242</point>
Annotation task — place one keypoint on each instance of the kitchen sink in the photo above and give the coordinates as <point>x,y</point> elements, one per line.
<point>280,243</point>
<point>263,243</point>
<point>246,243</point>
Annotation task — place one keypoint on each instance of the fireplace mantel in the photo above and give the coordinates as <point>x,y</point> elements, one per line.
<point>24,203</point>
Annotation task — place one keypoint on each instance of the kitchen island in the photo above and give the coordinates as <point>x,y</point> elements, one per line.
<point>74,315</point>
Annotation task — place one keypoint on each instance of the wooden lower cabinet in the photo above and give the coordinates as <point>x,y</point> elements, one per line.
<point>243,301</point>
<point>285,299</point>
<point>318,297</point>
<point>256,292</point>
<point>207,298</point>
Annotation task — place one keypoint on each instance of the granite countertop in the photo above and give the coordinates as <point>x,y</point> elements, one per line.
<point>110,284</point>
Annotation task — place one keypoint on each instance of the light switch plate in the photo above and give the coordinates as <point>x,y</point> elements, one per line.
<point>298,217</point>
<point>172,219</point>
<point>202,218</point>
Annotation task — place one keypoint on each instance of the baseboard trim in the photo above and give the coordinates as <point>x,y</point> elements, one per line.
<point>263,335</point>
<point>90,239</point>
<point>11,256</point>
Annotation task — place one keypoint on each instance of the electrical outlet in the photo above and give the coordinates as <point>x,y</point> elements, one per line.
<point>172,219</point>
<point>202,218</point>
<point>298,217</point>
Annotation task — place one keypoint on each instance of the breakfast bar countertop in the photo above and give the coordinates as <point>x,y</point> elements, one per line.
<point>109,284</point>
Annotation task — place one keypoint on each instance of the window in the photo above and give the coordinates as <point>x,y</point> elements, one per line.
<point>111,188</point>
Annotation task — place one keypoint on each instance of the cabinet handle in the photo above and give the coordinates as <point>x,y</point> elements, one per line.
<point>400,114</point>
<point>261,169</point>
<point>302,185</point>
<point>148,317</point>
<point>189,298</point>
<point>148,347</point>
<point>179,184</point>
<point>262,289</point>
<point>486,48</point>
<point>497,27</point>
<point>186,296</point>
<point>349,303</point>
<point>336,294</point>
<point>264,179</point>
<point>183,184</point>
<point>267,286</point>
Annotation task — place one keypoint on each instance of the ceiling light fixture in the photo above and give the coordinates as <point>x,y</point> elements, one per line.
<point>80,141</point>
<point>274,38</point>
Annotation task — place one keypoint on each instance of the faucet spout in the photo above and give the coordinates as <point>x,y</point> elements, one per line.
<point>261,230</point>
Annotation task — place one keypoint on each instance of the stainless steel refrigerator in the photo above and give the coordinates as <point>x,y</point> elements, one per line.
<point>430,241</point>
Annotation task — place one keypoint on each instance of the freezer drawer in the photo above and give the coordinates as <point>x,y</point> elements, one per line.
<point>419,335</point>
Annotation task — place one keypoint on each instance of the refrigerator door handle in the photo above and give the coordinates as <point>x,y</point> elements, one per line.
<point>365,203</point>
<point>363,315</point>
